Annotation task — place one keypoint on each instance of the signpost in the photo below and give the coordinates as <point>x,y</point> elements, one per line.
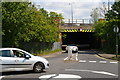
<point>116,30</point>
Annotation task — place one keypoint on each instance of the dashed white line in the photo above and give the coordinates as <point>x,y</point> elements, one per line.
<point>113,62</point>
<point>103,62</point>
<point>82,61</point>
<point>92,61</point>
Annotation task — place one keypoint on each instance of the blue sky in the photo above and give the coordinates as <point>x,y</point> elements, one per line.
<point>81,8</point>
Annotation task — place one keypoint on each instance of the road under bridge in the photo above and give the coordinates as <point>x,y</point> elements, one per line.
<point>81,34</point>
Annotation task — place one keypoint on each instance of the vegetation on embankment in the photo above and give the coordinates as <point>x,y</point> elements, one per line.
<point>104,29</point>
<point>25,26</point>
<point>41,53</point>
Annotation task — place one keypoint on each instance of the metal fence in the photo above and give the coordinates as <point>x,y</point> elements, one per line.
<point>36,47</point>
<point>56,45</point>
<point>79,21</point>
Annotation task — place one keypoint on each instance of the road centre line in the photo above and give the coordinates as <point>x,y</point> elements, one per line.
<point>102,61</point>
<point>82,60</point>
<point>93,61</point>
<point>113,62</point>
<point>99,72</point>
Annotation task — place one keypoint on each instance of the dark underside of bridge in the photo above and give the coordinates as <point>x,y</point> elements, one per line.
<point>84,40</point>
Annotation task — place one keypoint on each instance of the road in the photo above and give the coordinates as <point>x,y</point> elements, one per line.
<point>88,67</point>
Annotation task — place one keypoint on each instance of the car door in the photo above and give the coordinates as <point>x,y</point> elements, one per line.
<point>0,61</point>
<point>7,60</point>
<point>22,63</point>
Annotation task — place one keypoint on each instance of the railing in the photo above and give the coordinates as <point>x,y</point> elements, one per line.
<point>79,21</point>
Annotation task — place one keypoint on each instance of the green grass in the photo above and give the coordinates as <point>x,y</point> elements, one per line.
<point>41,53</point>
<point>110,51</point>
<point>116,58</point>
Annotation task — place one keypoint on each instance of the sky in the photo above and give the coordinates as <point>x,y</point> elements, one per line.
<point>81,8</point>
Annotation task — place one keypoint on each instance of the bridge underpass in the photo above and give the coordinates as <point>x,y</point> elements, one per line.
<point>84,40</point>
<point>82,35</point>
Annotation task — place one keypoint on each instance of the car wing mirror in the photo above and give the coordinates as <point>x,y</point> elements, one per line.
<point>27,56</point>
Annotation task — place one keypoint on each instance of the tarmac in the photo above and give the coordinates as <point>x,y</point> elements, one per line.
<point>99,53</point>
<point>52,54</point>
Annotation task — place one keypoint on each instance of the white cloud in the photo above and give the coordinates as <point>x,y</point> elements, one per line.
<point>71,0</point>
<point>81,8</point>
<point>57,11</point>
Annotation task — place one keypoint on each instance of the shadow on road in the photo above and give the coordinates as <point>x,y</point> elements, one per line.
<point>19,72</point>
<point>91,52</point>
<point>87,52</point>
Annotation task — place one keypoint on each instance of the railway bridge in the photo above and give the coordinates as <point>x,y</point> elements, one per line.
<point>79,32</point>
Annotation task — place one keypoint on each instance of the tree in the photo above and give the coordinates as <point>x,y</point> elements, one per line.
<point>55,18</point>
<point>114,13</point>
<point>22,22</point>
<point>13,21</point>
<point>99,12</point>
<point>95,15</point>
<point>104,29</point>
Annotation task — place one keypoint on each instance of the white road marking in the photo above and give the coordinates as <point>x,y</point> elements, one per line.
<point>114,62</point>
<point>93,61</point>
<point>1,77</point>
<point>103,62</point>
<point>99,72</point>
<point>51,76</point>
<point>82,60</point>
<point>47,76</point>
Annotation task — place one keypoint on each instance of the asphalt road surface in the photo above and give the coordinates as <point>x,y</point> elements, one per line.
<point>88,67</point>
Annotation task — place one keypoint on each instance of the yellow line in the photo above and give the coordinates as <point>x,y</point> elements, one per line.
<point>104,58</point>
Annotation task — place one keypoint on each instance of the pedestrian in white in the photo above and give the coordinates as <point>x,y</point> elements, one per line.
<point>71,56</point>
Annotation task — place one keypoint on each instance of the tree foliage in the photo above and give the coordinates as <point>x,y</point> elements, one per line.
<point>104,29</point>
<point>22,22</point>
<point>114,13</point>
<point>99,12</point>
<point>95,14</point>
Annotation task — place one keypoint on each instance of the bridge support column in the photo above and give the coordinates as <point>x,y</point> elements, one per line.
<point>60,37</point>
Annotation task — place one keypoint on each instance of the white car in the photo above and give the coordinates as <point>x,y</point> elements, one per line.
<point>73,47</point>
<point>14,59</point>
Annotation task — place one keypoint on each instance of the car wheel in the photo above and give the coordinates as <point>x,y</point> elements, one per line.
<point>38,67</point>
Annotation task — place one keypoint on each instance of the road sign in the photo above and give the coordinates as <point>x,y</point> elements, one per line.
<point>116,29</point>
<point>80,29</point>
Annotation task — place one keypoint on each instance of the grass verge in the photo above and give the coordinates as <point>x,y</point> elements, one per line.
<point>116,58</point>
<point>41,53</point>
<point>110,51</point>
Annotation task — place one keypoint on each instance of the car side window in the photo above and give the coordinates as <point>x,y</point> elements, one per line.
<point>0,53</point>
<point>5,53</point>
<point>18,54</point>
